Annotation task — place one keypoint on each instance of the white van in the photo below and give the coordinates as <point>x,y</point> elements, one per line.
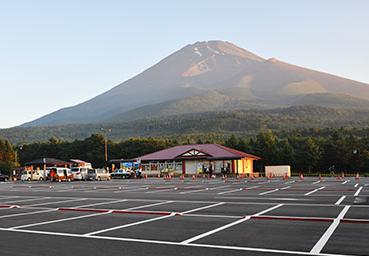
<point>79,173</point>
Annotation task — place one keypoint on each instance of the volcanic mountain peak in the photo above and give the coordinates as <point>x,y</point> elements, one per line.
<point>211,75</point>
<point>217,47</point>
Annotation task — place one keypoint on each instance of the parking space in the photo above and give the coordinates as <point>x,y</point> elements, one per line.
<point>351,239</point>
<point>166,228</point>
<point>270,234</point>
<point>358,213</point>
<point>307,211</point>
<point>216,217</point>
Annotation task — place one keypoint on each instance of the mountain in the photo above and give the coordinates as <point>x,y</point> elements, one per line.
<point>212,76</point>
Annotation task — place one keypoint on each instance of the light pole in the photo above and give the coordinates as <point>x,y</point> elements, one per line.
<point>105,131</point>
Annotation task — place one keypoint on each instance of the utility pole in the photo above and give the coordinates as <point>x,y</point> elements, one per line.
<point>105,131</point>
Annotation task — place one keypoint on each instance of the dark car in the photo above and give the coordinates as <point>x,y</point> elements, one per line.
<point>4,177</point>
<point>121,174</point>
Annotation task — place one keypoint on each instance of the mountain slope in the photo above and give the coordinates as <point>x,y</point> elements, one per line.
<point>221,123</point>
<point>207,76</point>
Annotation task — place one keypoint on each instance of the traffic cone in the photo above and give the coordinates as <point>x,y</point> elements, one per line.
<point>145,176</point>
<point>251,176</point>
<point>193,177</point>
<point>301,176</point>
<point>357,177</point>
<point>158,175</point>
<point>181,177</point>
<point>285,176</point>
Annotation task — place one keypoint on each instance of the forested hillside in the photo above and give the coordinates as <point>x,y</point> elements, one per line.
<point>311,150</point>
<point>221,124</point>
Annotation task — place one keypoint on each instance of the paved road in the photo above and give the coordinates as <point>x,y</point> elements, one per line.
<point>198,217</point>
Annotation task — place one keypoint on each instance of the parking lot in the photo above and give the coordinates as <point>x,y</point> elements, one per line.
<point>200,217</point>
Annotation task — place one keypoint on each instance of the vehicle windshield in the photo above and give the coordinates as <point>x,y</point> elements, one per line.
<point>91,171</point>
<point>75,169</point>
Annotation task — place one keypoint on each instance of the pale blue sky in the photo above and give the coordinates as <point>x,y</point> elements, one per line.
<point>55,54</point>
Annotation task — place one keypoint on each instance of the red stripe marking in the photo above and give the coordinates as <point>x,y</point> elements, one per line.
<point>114,211</point>
<point>298,189</point>
<point>356,221</point>
<point>82,210</point>
<point>267,217</point>
<point>141,212</point>
<point>8,206</point>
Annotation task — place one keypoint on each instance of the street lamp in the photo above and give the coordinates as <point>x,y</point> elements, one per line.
<point>105,131</point>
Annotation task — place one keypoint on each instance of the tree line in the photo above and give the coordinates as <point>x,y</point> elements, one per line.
<point>313,150</point>
<point>8,157</point>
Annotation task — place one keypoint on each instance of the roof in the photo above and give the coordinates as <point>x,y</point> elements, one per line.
<point>48,161</point>
<point>78,161</point>
<point>207,151</point>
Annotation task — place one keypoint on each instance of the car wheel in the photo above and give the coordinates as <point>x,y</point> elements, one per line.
<point>40,179</point>
<point>98,179</point>
<point>59,180</point>
<point>28,179</point>
<point>6,179</point>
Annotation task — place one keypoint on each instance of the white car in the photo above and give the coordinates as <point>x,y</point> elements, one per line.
<point>31,175</point>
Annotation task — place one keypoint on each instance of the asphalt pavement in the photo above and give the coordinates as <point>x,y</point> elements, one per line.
<point>199,217</point>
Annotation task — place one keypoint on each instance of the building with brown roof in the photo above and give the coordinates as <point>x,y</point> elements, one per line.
<point>199,158</point>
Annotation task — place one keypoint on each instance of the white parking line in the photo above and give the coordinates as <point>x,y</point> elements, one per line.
<point>26,200</point>
<point>101,203</point>
<point>129,225</point>
<point>285,188</point>
<point>328,233</point>
<point>161,190</point>
<point>251,187</point>
<point>340,200</point>
<point>343,183</point>
<point>57,202</point>
<point>122,239</point>
<point>358,191</point>
<point>357,184</point>
<point>268,192</point>
<point>61,220</point>
<point>190,240</point>
<point>148,220</point>
<point>26,213</point>
<point>203,208</point>
<point>131,190</point>
<point>148,205</point>
<point>316,182</point>
<point>264,182</point>
<point>193,191</point>
<point>230,191</point>
<point>289,182</point>
<point>313,191</point>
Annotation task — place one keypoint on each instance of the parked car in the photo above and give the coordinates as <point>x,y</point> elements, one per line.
<point>79,173</point>
<point>28,175</point>
<point>121,174</point>
<point>98,174</point>
<point>62,174</point>
<point>4,177</point>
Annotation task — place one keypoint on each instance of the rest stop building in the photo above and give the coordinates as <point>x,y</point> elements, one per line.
<point>194,159</point>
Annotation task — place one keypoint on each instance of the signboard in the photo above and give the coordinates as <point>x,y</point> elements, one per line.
<point>130,165</point>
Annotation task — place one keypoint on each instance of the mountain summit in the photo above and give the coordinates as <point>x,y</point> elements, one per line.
<point>211,76</point>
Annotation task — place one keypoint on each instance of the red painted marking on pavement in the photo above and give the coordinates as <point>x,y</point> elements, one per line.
<point>268,217</point>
